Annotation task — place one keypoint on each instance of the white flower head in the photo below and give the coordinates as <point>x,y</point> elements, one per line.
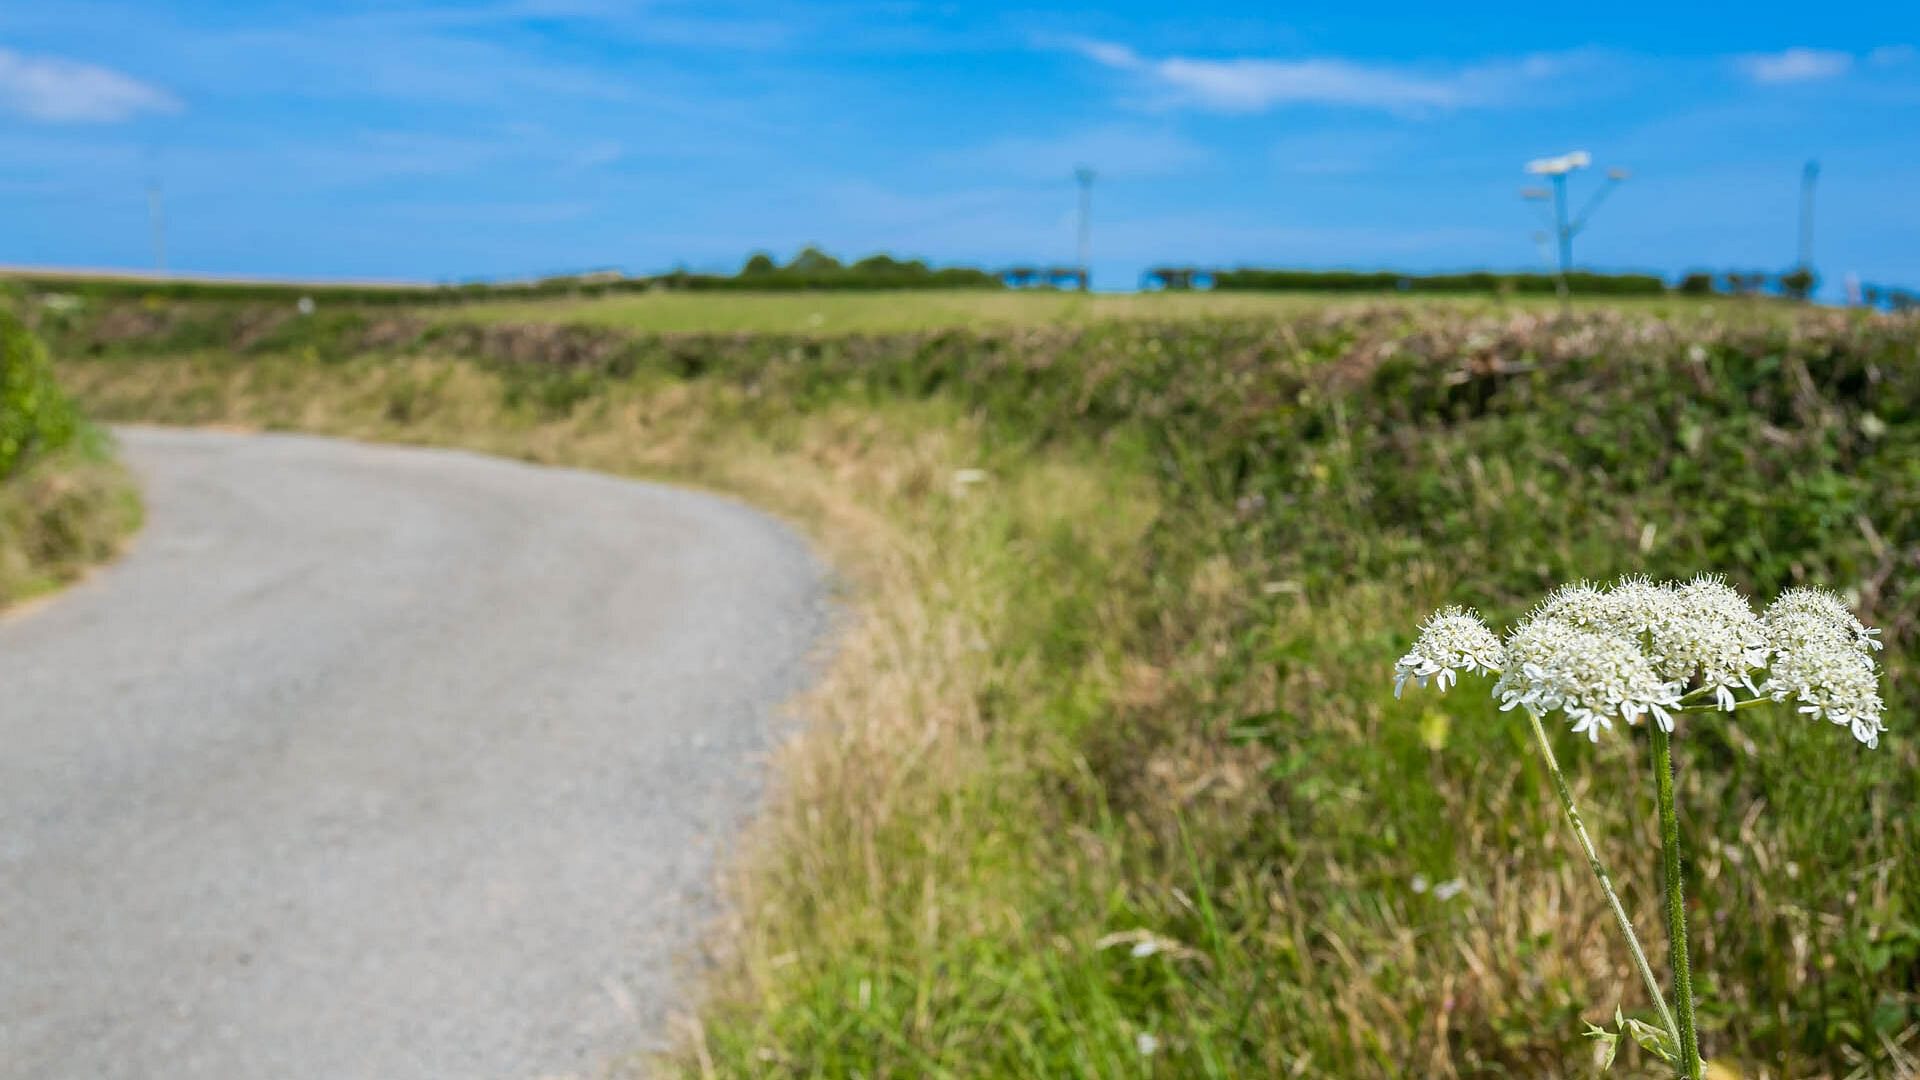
<point>1594,677</point>
<point>1812,602</point>
<point>1453,640</point>
<point>1578,604</point>
<point>1711,635</point>
<point>1634,606</point>
<point>1823,658</point>
<point>1640,647</point>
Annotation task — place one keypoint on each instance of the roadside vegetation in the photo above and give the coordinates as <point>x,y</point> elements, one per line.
<point>1107,777</point>
<point>64,504</point>
<point>841,314</point>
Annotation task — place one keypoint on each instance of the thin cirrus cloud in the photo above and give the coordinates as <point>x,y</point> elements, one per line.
<point>56,90</point>
<point>1255,84</point>
<point>1795,65</point>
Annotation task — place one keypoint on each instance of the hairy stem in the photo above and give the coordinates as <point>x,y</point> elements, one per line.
<point>1689,1038</point>
<point>1606,881</point>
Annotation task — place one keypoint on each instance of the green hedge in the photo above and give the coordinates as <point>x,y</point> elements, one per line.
<point>35,417</point>
<point>866,274</point>
<point>1580,281</point>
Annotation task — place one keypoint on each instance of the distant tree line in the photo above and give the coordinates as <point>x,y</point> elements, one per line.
<point>1795,284</point>
<point>813,268</point>
<point>810,269</point>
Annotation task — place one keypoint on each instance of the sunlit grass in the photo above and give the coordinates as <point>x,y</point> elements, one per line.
<point>61,516</point>
<point>1109,761</point>
<point>881,312</point>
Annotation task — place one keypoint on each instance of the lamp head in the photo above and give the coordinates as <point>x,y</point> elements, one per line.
<point>1560,166</point>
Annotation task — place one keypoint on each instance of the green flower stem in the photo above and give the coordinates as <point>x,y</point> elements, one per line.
<point>1606,881</point>
<point>1689,1038</point>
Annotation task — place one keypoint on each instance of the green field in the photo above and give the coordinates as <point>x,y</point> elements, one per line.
<point>884,312</point>
<point>1107,777</point>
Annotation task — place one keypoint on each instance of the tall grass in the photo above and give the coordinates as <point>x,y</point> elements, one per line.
<point>63,505</point>
<point>1108,779</point>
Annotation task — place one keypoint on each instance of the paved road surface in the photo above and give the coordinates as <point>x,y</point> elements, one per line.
<point>381,763</point>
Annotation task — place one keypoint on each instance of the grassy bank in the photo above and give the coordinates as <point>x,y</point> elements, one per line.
<point>833,314</point>
<point>64,504</point>
<point>1108,779</point>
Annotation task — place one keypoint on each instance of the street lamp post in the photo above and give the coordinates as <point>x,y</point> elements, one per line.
<point>1084,177</point>
<point>1556,170</point>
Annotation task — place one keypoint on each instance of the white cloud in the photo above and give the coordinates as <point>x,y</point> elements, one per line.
<point>1890,55</point>
<point>56,90</point>
<point>1795,65</point>
<point>1253,84</point>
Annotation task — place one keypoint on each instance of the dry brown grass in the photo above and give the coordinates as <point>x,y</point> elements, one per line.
<point>59,518</point>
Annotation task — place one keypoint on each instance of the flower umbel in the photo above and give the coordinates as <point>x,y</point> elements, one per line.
<point>1640,648</point>
<point>1595,678</point>
<point>1823,657</point>
<point>1455,639</point>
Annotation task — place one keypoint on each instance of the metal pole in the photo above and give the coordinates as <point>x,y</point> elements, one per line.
<point>1561,226</point>
<point>156,216</point>
<point>1807,176</point>
<point>1085,178</point>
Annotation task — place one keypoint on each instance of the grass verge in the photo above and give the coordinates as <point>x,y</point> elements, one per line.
<point>64,504</point>
<point>61,516</point>
<point>1108,780</point>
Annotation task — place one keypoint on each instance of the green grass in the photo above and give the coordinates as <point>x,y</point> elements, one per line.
<point>1135,687</point>
<point>64,505</point>
<point>829,313</point>
<point>60,517</point>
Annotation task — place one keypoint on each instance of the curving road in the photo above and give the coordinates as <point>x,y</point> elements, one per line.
<point>381,763</point>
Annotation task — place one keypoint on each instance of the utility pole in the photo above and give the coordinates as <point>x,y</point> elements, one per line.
<point>1557,169</point>
<point>1807,176</point>
<point>1084,177</point>
<point>1560,229</point>
<point>156,217</point>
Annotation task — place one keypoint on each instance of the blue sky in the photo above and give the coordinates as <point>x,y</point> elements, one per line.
<point>440,141</point>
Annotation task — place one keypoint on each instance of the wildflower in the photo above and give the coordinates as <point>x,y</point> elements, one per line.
<point>1579,603</point>
<point>1593,677</point>
<point>1712,636</point>
<point>1819,604</point>
<point>1634,606</point>
<point>1146,1044</point>
<point>1454,639</point>
<point>1823,657</point>
<point>1640,647</point>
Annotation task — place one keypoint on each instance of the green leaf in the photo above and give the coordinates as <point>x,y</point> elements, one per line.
<point>1653,1040</point>
<point>1606,1044</point>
